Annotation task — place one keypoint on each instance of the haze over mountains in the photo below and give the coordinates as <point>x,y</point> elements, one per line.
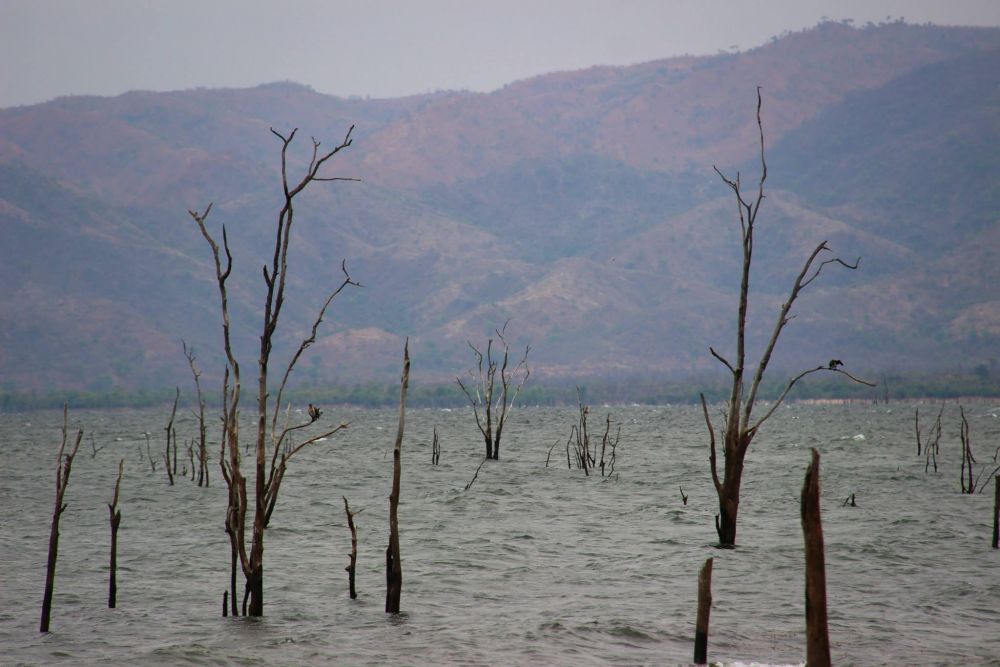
<point>580,205</point>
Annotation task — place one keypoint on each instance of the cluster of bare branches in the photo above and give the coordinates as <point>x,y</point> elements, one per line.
<point>972,483</point>
<point>579,449</point>
<point>491,408</point>
<point>275,444</point>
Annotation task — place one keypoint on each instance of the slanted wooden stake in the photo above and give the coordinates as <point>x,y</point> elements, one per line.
<point>354,549</point>
<point>393,567</point>
<point>704,608</point>
<point>817,637</point>
<point>116,519</point>
<point>63,467</point>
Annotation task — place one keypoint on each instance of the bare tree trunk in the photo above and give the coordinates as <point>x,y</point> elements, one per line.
<point>435,449</point>
<point>170,432</point>
<point>116,519</point>
<point>63,468</point>
<point>817,637</point>
<point>704,610</point>
<point>393,566</point>
<point>354,550</point>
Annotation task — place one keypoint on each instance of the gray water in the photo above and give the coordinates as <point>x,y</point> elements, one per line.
<point>533,565</point>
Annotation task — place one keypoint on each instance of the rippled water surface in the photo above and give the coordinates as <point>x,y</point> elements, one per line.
<point>533,565</point>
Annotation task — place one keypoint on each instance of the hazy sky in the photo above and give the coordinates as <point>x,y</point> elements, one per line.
<point>385,48</point>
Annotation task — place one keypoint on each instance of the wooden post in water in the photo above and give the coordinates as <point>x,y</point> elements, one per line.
<point>996,514</point>
<point>817,636</point>
<point>116,519</point>
<point>704,608</point>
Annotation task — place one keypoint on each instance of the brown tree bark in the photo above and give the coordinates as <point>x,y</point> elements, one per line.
<point>116,519</point>
<point>817,637</point>
<point>63,468</point>
<point>393,565</point>
<point>704,610</point>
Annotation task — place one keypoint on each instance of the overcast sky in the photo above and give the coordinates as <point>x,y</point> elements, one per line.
<point>387,48</point>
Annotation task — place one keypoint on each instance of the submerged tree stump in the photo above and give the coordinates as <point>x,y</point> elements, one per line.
<point>817,636</point>
<point>704,609</point>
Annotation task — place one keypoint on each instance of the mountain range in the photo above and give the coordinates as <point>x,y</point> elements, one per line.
<point>581,206</point>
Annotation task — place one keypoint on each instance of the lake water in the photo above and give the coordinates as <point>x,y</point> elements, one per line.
<point>532,565</point>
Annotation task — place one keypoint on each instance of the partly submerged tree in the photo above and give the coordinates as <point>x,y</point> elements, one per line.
<point>740,424</point>
<point>275,444</point>
<point>491,410</point>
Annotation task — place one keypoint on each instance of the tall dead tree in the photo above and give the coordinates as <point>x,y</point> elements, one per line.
<point>393,563</point>
<point>115,520</point>
<point>274,445</point>
<point>63,468</point>
<point>739,423</point>
<point>491,410</point>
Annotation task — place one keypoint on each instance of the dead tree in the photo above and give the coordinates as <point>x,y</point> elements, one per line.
<point>978,484</point>
<point>740,424</point>
<point>63,468</point>
<point>171,436</point>
<point>491,411</point>
<point>704,611</point>
<point>579,439</point>
<point>435,449</point>
<point>968,460</point>
<point>274,445</point>
<point>202,429</point>
<point>612,442</point>
<point>149,455</point>
<point>393,564</point>
<point>354,550</point>
<point>933,446</point>
<point>115,519</point>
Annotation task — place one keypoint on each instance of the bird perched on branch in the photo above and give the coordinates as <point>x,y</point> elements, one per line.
<point>834,363</point>
<point>314,412</point>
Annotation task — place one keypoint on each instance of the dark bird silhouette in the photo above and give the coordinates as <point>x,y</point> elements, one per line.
<point>834,363</point>
<point>314,412</point>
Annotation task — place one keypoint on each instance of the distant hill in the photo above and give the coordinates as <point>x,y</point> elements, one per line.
<point>580,205</point>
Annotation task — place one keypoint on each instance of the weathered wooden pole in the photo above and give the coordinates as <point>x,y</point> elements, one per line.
<point>354,550</point>
<point>817,636</point>
<point>704,608</point>
<point>996,514</point>
<point>63,468</point>
<point>393,567</point>
<point>116,519</point>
